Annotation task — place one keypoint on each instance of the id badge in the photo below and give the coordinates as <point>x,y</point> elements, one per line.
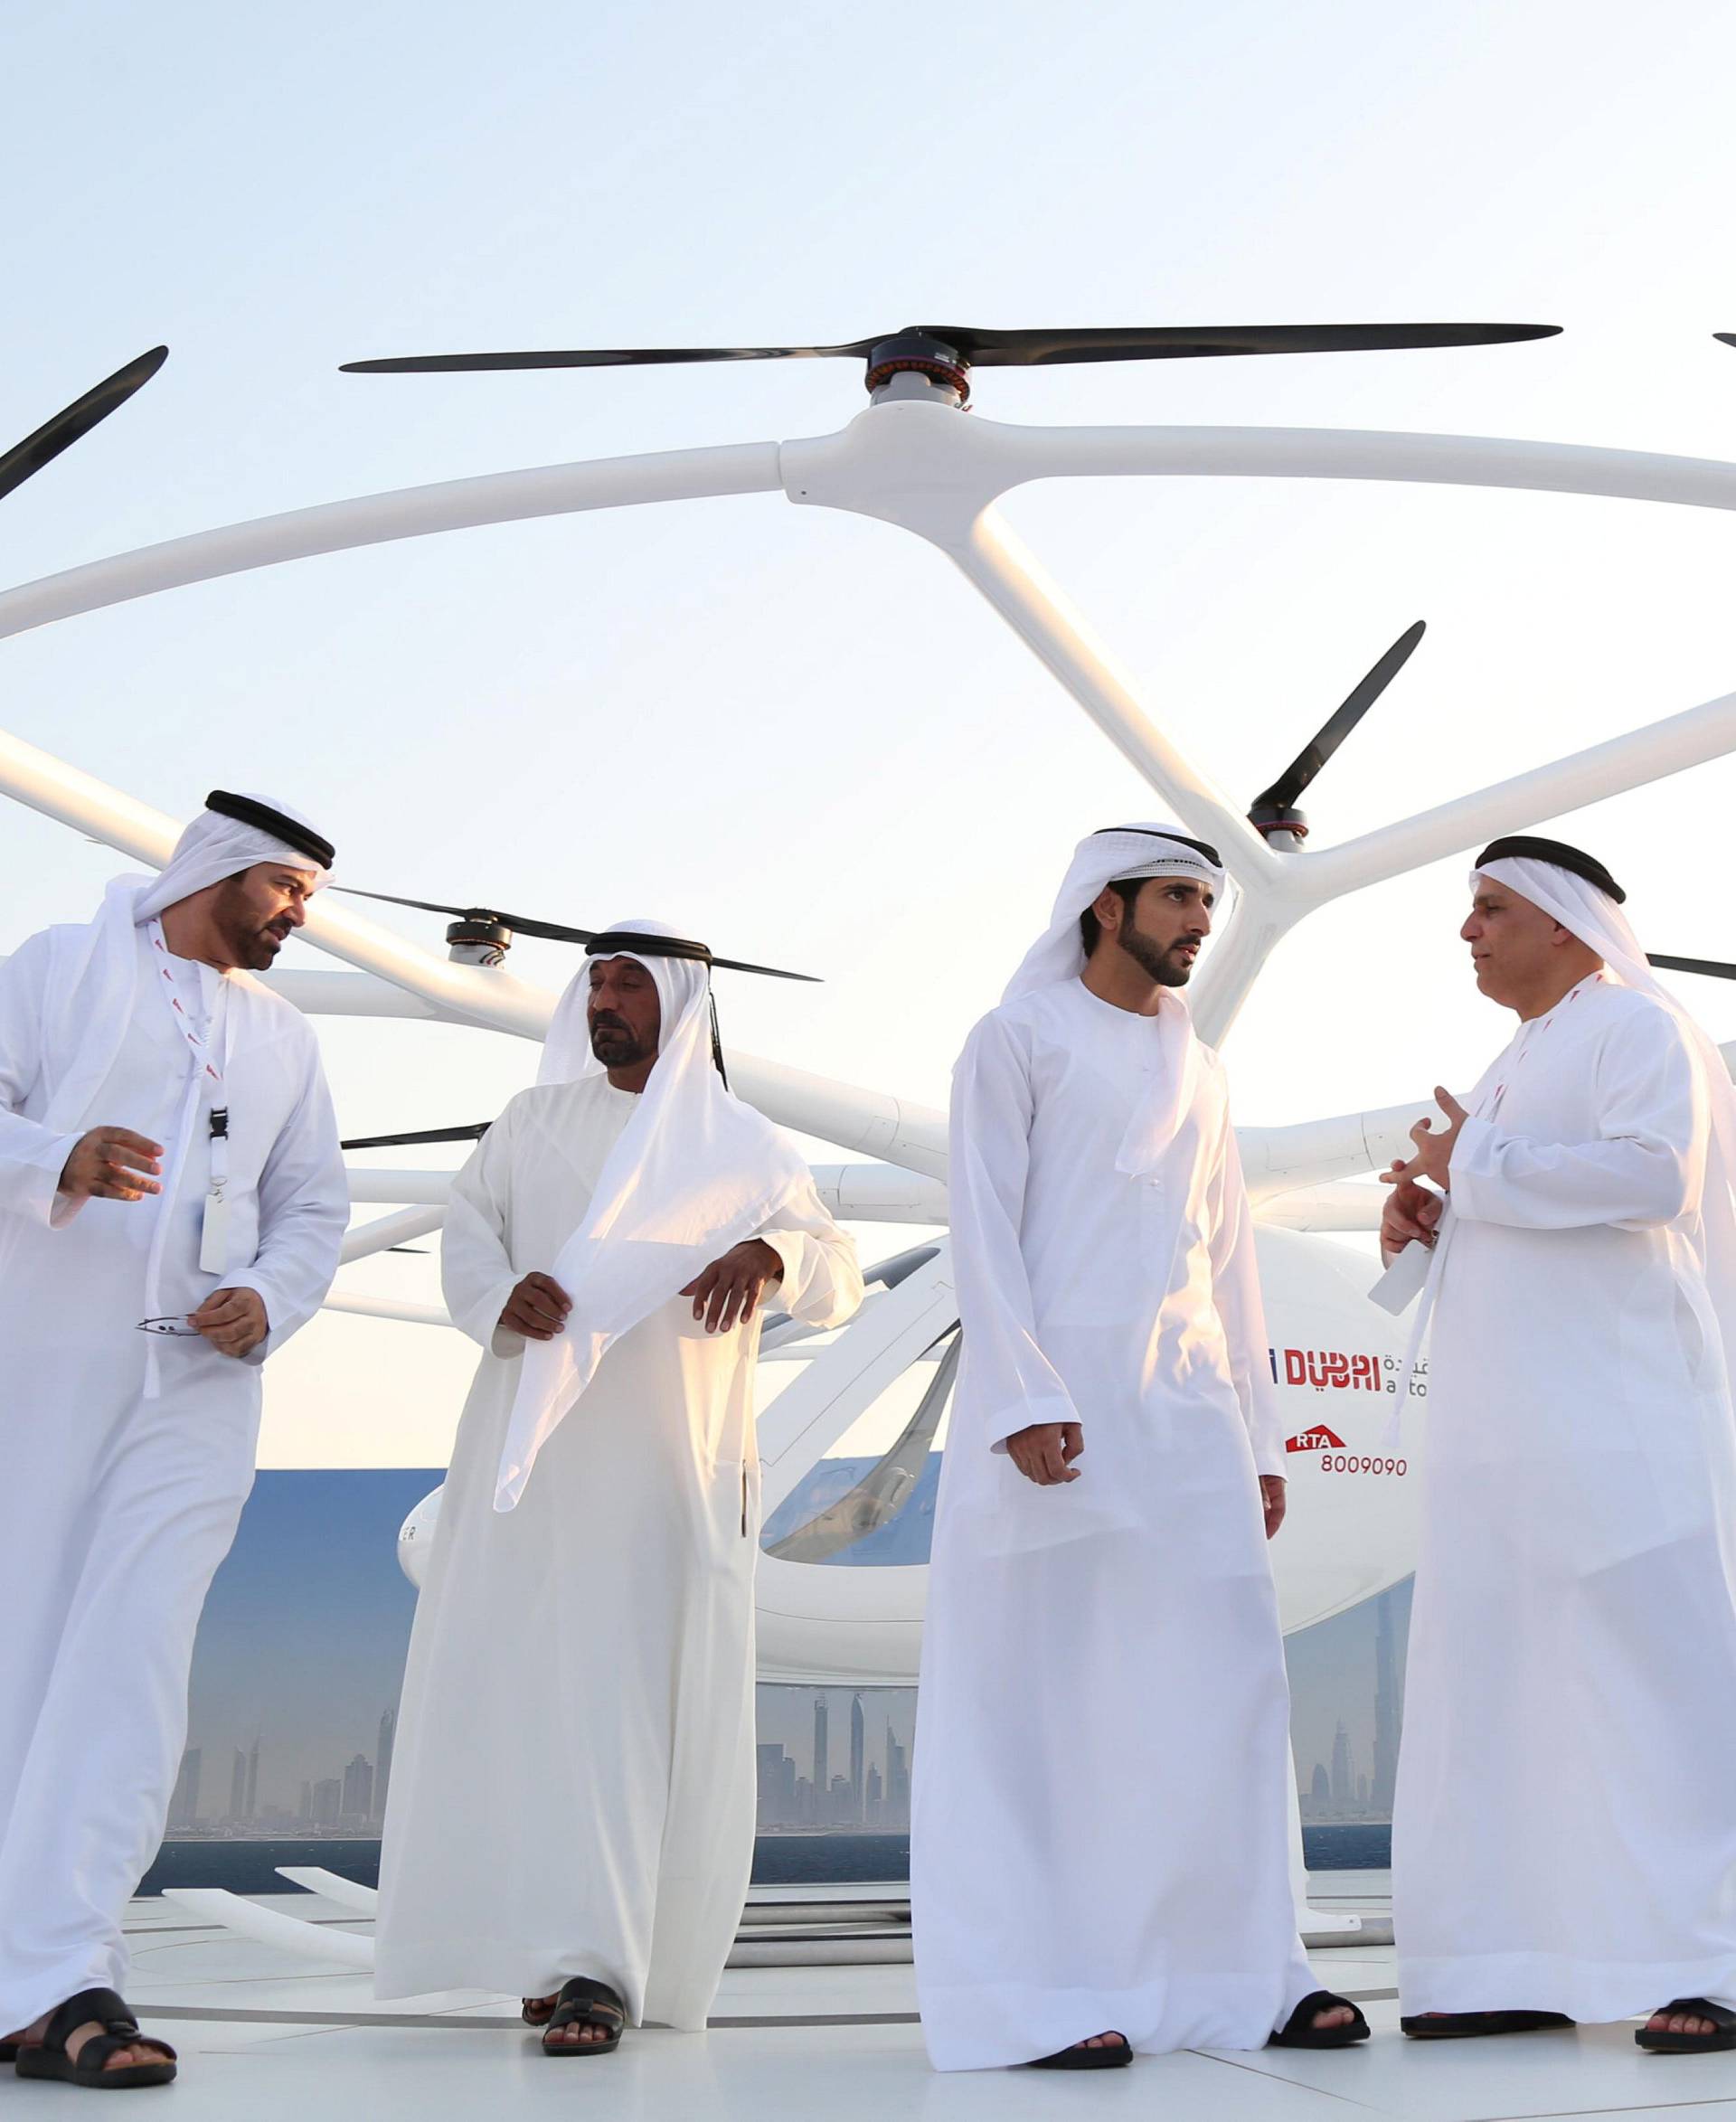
<point>214,1238</point>
<point>1399,1289</point>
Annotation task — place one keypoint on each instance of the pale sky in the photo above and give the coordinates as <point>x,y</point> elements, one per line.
<point>797,732</point>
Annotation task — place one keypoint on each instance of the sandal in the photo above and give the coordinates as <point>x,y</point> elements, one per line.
<point>583,2001</point>
<point>48,2058</point>
<point>1463,2025</point>
<point>1664,2044</point>
<point>1081,2057</point>
<point>1299,2032</point>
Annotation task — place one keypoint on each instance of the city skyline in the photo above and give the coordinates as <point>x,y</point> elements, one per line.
<point>301,1652</point>
<point>352,1800</point>
<point>866,1800</point>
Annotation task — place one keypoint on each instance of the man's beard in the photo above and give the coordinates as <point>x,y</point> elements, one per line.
<point>615,1045</point>
<point>254,949</point>
<point>1154,958</point>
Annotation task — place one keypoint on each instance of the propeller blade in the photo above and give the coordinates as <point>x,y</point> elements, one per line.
<point>554,931</point>
<point>1728,338</point>
<point>473,1133</point>
<point>1320,748</point>
<point>1712,967</point>
<point>25,459</point>
<point>596,357</point>
<point>1182,342</point>
<point>1010,349</point>
<point>520,924</point>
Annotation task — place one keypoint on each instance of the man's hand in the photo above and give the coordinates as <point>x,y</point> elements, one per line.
<point>537,1308</point>
<point>232,1320</point>
<point>1274,1501</point>
<point>724,1296</point>
<point>1045,1452</point>
<point>1435,1146</point>
<point>1412,1213</point>
<point>113,1163</point>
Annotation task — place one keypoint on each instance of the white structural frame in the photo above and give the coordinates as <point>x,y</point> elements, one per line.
<point>936,471</point>
<point>914,461</point>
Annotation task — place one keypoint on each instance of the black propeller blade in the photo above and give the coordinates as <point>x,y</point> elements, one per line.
<point>1714,968</point>
<point>1274,808</point>
<point>549,931</point>
<point>473,1132</point>
<point>961,347</point>
<point>1728,338</point>
<point>27,457</point>
<point>520,924</point>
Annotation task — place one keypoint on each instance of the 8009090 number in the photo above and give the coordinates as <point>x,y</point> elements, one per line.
<point>1350,1462</point>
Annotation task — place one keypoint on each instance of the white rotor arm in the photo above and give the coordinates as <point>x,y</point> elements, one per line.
<point>386,1231</point>
<point>1341,1205</point>
<point>1628,761</point>
<point>1278,1160</point>
<point>375,518</point>
<point>869,1121</point>
<point>381,1308</point>
<point>425,1189</point>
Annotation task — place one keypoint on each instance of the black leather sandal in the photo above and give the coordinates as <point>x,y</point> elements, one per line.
<point>1664,2043</point>
<point>1299,2032</point>
<point>1467,2025</point>
<point>48,2058</point>
<point>583,2001</point>
<point>1084,2059</point>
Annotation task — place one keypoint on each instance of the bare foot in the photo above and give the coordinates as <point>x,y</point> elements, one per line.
<point>1333,2015</point>
<point>536,2011</point>
<point>574,2036</point>
<point>123,2059</point>
<point>1679,2022</point>
<point>1103,2041</point>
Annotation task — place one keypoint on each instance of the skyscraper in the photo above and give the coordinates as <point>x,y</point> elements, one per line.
<point>1320,1789</point>
<point>768,1785</point>
<point>871,1802</point>
<point>328,1801</point>
<point>1390,1617</point>
<point>358,1789</point>
<point>858,1749</point>
<point>1343,1778</point>
<point>822,1777</point>
<point>898,1781</point>
<point>238,1787</point>
<point>383,1773</point>
<point>184,1807</point>
<point>251,1797</point>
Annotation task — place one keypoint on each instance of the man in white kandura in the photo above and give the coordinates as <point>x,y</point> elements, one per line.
<point>1564,1832</point>
<point>572,1796</point>
<point>1099,1861</point>
<point>168,1160</point>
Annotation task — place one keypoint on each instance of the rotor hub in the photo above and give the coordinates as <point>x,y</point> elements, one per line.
<point>477,943</point>
<point>921,355</point>
<point>1270,818</point>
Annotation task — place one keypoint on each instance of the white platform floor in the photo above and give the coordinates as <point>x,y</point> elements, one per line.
<point>265,2037</point>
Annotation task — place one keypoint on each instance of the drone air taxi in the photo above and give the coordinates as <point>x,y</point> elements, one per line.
<point>914,459</point>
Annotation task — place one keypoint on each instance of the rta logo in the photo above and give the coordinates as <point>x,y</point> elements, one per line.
<point>1319,1440</point>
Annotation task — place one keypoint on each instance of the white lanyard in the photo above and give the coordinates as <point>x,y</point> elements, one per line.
<point>210,1047</point>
